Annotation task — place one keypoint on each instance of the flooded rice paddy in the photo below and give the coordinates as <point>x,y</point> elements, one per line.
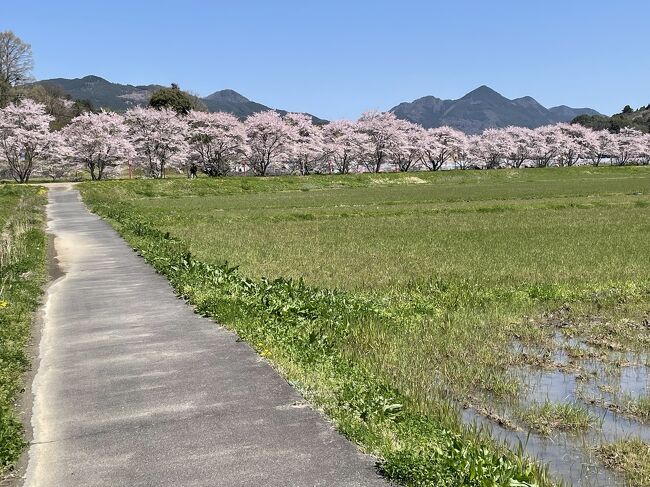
<point>576,395</point>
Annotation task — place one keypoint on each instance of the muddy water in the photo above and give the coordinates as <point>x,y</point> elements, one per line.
<point>600,382</point>
<point>569,460</point>
<point>634,381</point>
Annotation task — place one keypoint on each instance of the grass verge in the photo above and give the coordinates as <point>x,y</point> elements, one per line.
<point>22,275</point>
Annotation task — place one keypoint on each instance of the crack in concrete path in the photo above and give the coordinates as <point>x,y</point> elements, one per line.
<point>134,389</point>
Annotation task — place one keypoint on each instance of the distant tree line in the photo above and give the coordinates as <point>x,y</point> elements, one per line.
<point>158,141</point>
<point>45,133</point>
<point>637,119</point>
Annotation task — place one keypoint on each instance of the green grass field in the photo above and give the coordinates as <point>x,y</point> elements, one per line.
<point>22,274</point>
<point>382,232</point>
<point>418,282</point>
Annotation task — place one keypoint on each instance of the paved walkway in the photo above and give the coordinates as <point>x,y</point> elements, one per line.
<point>134,389</point>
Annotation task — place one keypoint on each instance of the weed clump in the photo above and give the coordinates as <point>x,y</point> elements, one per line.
<point>630,456</point>
<point>549,416</point>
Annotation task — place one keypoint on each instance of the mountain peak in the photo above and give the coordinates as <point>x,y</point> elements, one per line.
<point>480,109</point>
<point>528,102</point>
<point>429,99</point>
<point>227,95</point>
<point>482,92</point>
<point>91,78</point>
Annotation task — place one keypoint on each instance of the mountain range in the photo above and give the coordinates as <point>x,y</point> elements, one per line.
<point>119,97</point>
<point>479,109</point>
<point>484,108</point>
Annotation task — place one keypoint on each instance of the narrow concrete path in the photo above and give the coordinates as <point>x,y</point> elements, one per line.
<point>134,389</point>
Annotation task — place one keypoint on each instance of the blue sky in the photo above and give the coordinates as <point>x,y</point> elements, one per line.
<point>338,58</point>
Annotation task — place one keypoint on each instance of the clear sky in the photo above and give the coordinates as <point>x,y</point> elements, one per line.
<point>338,58</point>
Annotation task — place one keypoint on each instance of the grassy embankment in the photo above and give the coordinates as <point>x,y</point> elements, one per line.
<point>414,287</point>
<point>22,275</point>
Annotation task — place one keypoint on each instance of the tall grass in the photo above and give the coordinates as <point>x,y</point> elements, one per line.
<point>22,274</point>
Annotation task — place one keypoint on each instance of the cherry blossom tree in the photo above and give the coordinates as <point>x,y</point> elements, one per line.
<point>216,140</point>
<point>159,138</point>
<point>462,158</point>
<point>599,145</point>
<point>520,145</point>
<point>25,138</point>
<point>409,147</point>
<point>491,148</point>
<point>382,131</point>
<point>269,140</point>
<point>442,145</point>
<point>59,163</point>
<point>628,145</point>
<point>644,155</point>
<point>343,144</point>
<point>99,142</point>
<point>544,145</point>
<point>307,146</point>
<point>571,143</point>
<point>474,157</point>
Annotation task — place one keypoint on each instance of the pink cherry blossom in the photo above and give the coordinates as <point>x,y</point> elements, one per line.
<point>491,148</point>
<point>382,131</point>
<point>159,138</point>
<point>25,138</point>
<point>628,145</point>
<point>269,141</point>
<point>344,145</point>
<point>217,141</point>
<point>307,149</point>
<point>99,142</point>
<point>442,145</point>
<point>409,147</point>
<point>520,144</point>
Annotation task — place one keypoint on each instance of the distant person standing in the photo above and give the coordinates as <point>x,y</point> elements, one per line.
<point>193,170</point>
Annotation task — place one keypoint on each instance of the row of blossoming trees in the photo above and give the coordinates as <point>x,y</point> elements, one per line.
<point>159,141</point>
